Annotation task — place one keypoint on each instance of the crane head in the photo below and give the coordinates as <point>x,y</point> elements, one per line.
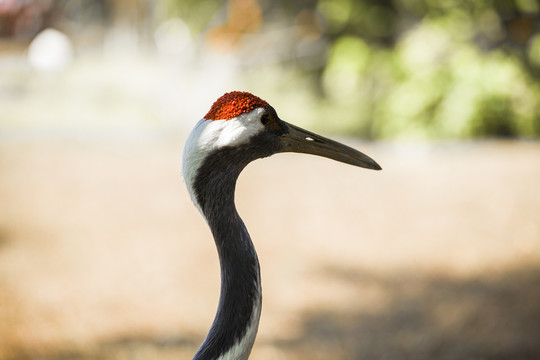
<point>248,128</point>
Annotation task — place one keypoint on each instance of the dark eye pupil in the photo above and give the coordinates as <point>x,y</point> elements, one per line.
<point>265,118</point>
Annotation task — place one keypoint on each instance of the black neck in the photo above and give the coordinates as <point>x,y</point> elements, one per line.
<point>240,296</point>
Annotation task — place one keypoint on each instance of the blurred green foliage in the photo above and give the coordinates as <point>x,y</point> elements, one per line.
<point>433,69</point>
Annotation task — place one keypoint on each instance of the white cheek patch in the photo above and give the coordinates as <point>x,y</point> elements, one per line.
<point>214,134</point>
<point>210,135</point>
<point>237,130</point>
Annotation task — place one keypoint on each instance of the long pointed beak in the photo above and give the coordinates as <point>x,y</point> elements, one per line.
<point>303,141</point>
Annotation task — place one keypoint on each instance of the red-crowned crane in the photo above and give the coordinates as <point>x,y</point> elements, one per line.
<point>239,128</point>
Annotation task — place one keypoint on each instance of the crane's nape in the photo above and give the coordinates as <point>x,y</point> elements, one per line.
<point>239,128</point>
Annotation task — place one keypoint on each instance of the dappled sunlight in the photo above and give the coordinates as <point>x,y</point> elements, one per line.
<point>104,256</point>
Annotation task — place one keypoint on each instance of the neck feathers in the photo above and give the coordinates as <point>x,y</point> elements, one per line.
<point>237,319</point>
<point>234,328</point>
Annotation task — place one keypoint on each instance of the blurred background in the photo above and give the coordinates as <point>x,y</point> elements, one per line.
<point>103,256</point>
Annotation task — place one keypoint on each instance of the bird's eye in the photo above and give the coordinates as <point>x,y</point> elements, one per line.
<point>265,119</point>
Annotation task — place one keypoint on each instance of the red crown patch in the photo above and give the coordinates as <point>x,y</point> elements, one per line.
<point>232,104</point>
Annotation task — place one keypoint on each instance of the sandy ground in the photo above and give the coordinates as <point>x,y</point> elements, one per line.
<point>102,255</point>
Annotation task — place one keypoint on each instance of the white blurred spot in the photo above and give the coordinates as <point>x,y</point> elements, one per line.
<point>50,50</point>
<point>121,40</point>
<point>173,36</point>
